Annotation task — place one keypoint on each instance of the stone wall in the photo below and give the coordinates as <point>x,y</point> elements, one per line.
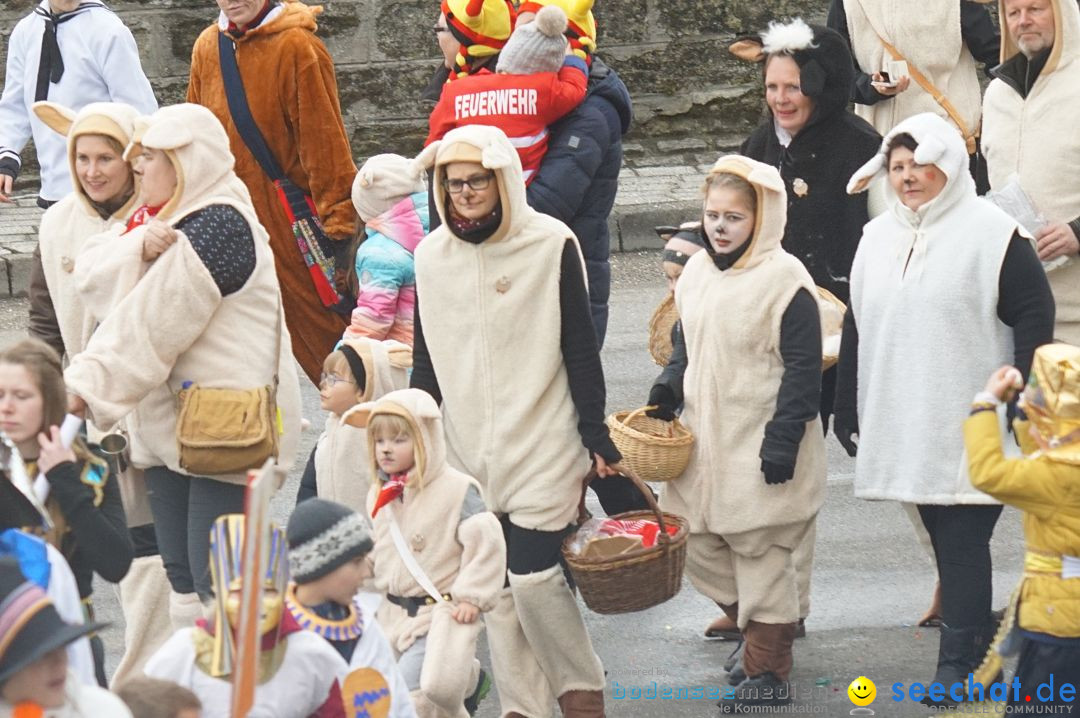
<point>691,97</point>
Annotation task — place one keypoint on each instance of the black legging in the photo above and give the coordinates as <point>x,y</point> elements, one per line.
<point>184,509</point>
<point>961,535</point>
<point>531,550</point>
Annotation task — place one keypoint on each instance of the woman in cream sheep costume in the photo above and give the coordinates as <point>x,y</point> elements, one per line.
<point>523,406</point>
<point>59,317</point>
<point>206,311</point>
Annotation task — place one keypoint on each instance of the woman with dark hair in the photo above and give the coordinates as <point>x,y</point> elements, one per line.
<point>944,290</point>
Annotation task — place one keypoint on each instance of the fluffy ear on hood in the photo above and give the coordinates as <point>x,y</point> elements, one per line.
<point>170,134</point>
<point>930,151</point>
<point>497,156</point>
<point>357,416</point>
<point>399,354</point>
<point>860,181</point>
<point>426,158</point>
<point>748,48</point>
<point>57,117</point>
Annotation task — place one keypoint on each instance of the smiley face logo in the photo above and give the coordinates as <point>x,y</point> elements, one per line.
<point>862,691</point>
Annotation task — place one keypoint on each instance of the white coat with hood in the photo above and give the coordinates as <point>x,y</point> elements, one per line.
<point>173,326</point>
<point>1035,139</point>
<point>464,556</point>
<point>924,294</point>
<point>731,320</point>
<point>491,319</point>
<point>68,224</point>
<point>342,461</point>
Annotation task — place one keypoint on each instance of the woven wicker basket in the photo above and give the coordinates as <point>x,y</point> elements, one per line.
<point>639,579</point>
<point>832,323</point>
<point>654,449</point>
<point>663,319</point>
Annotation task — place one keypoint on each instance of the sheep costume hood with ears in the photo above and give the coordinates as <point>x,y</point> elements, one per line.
<point>422,414</point>
<point>771,215</point>
<point>939,144</point>
<point>68,227</point>
<point>342,456</point>
<point>196,143</point>
<point>489,147</point>
<point>109,119</point>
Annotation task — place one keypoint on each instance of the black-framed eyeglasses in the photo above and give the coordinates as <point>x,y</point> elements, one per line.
<point>475,183</point>
<point>439,30</point>
<point>332,379</point>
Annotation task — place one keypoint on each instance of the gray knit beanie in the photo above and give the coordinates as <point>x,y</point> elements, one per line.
<point>538,46</point>
<point>323,535</point>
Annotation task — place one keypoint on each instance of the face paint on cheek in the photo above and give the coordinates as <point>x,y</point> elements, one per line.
<point>931,176</point>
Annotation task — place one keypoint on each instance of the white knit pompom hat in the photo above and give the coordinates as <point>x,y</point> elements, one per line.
<point>538,46</point>
<point>383,181</point>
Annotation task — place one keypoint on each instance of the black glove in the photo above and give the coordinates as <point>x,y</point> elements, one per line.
<point>846,427</point>
<point>664,400</point>
<point>776,473</point>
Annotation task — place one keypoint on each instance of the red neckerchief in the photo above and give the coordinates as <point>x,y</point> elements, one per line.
<point>237,31</point>
<point>142,215</point>
<point>392,488</point>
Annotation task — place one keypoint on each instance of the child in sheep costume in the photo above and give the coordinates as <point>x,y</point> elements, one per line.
<point>749,383</point>
<point>337,469</point>
<point>206,311</point>
<point>455,541</point>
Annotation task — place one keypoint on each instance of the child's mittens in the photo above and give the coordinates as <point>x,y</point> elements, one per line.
<point>776,473</point>
<point>663,399</point>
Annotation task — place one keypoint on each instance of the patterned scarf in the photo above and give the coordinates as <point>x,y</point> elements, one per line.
<point>142,215</point>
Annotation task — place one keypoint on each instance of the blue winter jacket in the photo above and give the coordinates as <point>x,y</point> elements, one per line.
<point>579,176</point>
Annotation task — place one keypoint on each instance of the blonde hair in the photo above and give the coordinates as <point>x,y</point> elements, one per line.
<point>390,426</point>
<point>43,364</point>
<point>734,182</point>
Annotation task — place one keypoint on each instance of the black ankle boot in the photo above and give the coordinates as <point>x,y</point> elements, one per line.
<point>960,652</point>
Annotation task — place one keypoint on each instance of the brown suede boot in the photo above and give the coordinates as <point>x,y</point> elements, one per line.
<point>726,627</point>
<point>582,704</point>
<point>768,649</point>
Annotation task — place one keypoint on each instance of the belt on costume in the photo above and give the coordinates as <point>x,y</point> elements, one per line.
<point>413,604</point>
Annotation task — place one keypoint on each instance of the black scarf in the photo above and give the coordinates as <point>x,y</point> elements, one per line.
<point>724,262</point>
<point>51,63</point>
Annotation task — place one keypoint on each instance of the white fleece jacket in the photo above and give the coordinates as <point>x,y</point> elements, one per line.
<point>1036,140</point>
<point>731,320</point>
<point>173,326</point>
<point>492,323</point>
<point>924,292</point>
<point>458,545</point>
<point>68,224</point>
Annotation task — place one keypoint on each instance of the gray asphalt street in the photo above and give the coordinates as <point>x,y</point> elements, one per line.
<point>872,580</point>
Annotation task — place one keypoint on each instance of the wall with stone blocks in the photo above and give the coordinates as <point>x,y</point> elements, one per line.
<point>691,97</point>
